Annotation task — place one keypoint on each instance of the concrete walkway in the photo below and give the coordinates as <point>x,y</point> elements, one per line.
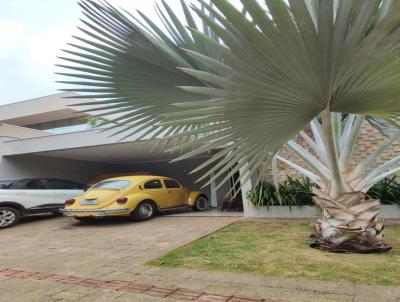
<point>58,259</point>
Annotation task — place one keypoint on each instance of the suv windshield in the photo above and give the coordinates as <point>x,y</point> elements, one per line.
<point>112,184</point>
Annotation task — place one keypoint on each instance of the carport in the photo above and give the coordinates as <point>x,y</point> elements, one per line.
<point>85,155</point>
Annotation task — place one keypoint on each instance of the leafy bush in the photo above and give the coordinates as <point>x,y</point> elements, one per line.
<point>298,192</point>
<point>293,192</point>
<point>387,190</point>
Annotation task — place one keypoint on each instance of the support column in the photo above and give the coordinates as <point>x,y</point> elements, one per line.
<point>213,197</point>
<point>246,187</point>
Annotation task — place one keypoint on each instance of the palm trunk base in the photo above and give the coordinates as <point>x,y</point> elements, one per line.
<point>351,246</point>
<point>349,224</point>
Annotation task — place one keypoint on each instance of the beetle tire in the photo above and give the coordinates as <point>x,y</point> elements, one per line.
<point>144,211</point>
<point>201,204</point>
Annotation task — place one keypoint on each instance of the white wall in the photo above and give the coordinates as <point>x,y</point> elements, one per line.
<point>20,132</point>
<point>30,166</point>
<point>38,110</point>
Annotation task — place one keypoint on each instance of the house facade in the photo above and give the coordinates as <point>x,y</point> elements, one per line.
<point>47,137</point>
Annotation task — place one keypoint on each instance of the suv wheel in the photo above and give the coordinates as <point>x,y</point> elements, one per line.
<point>8,217</point>
<point>201,204</point>
<point>145,210</point>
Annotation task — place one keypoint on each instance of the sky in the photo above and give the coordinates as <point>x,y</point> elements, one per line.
<point>32,34</point>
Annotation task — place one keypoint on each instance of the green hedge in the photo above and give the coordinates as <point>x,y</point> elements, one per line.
<point>298,192</point>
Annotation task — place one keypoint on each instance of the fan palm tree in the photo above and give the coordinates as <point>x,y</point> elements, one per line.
<point>348,221</point>
<point>246,82</point>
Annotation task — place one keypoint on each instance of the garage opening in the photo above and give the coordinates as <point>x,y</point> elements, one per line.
<point>112,160</point>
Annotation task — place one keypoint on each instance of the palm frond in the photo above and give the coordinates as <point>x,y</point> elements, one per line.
<point>293,61</point>
<point>382,126</point>
<point>130,66</point>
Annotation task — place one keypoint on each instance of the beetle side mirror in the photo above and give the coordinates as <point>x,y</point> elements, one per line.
<point>140,187</point>
<point>87,187</point>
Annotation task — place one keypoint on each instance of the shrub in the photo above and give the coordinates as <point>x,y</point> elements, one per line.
<point>298,192</point>
<point>388,191</point>
<point>293,192</point>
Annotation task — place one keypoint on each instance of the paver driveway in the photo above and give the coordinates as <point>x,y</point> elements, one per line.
<point>64,245</point>
<point>105,249</point>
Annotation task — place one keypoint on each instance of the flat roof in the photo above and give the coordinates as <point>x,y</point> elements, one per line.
<point>40,110</point>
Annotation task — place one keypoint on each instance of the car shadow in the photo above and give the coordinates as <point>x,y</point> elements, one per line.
<point>175,211</point>
<point>38,217</point>
<point>104,221</point>
<point>110,221</point>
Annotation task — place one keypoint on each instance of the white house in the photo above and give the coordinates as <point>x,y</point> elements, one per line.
<point>46,137</point>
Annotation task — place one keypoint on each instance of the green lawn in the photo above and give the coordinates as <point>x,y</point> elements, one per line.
<point>281,249</point>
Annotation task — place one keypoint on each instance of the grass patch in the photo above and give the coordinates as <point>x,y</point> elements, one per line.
<point>281,249</point>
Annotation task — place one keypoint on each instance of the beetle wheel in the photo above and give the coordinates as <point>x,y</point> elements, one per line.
<point>144,211</point>
<point>201,204</point>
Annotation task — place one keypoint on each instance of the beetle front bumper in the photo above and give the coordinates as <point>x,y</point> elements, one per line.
<point>95,213</point>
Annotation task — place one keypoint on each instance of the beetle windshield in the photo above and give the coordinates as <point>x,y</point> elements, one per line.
<point>112,184</point>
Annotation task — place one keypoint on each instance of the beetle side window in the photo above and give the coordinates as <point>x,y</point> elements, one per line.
<point>171,184</point>
<point>152,184</point>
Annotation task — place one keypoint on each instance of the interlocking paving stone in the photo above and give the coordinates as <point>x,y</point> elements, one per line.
<point>213,298</point>
<point>91,282</point>
<point>23,274</point>
<point>40,276</point>
<point>55,278</point>
<point>183,297</point>
<point>114,285</point>
<point>9,272</point>
<point>241,299</point>
<point>185,294</point>
<point>72,280</point>
<point>135,288</point>
<point>160,291</point>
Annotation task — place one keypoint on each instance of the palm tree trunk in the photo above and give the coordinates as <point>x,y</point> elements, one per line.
<point>349,224</point>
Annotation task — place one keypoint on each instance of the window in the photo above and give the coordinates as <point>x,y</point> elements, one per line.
<point>70,125</point>
<point>153,184</point>
<point>112,184</point>
<point>59,184</point>
<point>7,184</point>
<point>34,184</point>
<point>171,184</point>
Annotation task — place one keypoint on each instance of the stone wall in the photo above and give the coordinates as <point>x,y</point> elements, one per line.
<point>368,141</point>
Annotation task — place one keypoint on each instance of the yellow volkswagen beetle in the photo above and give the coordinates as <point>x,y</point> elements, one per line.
<point>139,197</point>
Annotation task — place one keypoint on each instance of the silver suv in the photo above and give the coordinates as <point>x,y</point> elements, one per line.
<point>34,196</point>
